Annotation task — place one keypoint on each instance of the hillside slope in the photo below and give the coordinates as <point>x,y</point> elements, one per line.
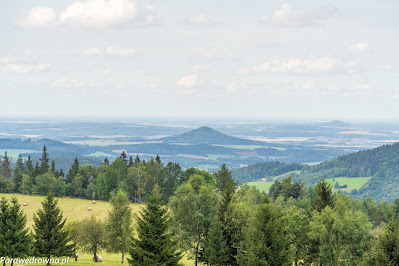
<point>207,135</point>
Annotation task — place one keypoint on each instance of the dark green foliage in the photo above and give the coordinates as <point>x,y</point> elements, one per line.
<point>266,241</point>
<point>170,178</point>
<point>215,245</point>
<point>106,161</point>
<point>154,244</point>
<point>5,170</point>
<point>73,171</point>
<point>224,178</point>
<point>44,161</point>
<point>124,157</point>
<point>15,240</point>
<point>325,197</point>
<point>286,189</point>
<point>51,239</point>
<point>257,171</point>
<point>29,166</point>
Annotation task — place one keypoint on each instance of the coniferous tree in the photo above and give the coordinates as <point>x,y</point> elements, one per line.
<point>61,174</point>
<point>124,157</point>
<point>53,170</point>
<point>15,240</point>
<point>44,161</point>
<point>325,197</point>
<point>29,166</point>
<point>154,244</point>
<point>158,159</point>
<point>106,161</point>
<point>5,167</point>
<point>215,250</point>
<point>131,163</point>
<point>73,171</point>
<point>223,177</point>
<point>136,160</point>
<point>51,238</point>
<point>118,227</point>
<point>20,163</point>
<point>36,170</point>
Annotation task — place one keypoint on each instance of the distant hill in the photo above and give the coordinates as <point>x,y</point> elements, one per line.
<point>381,163</point>
<point>337,123</point>
<point>207,135</point>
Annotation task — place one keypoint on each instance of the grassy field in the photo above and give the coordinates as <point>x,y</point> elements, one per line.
<point>76,209</point>
<point>262,185</point>
<point>352,182</point>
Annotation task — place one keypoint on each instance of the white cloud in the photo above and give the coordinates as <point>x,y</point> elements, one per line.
<point>200,20</point>
<point>196,68</point>
<point>287,15</point>
<point>109,51</point>
<point>385,67</point>
<point>243,70</point>
<point>184,92</point>
<point>25,69</point>
<point>359,48</point>
<point>322,65</point>
<point>188,81</point>
<point>232,87</point>
<point>39,17</point>
<point>92,52</point>
<point>92,14</point>
<point>70,83</point>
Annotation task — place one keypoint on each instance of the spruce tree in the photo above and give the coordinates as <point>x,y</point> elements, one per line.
<point>44,161</point>
<point>29,166</point>
<point>124,157</point>
<point>106,161</point>
<point>51,239</point>
<point>53,170</point>
<point>20,163</point>
<point>158,159</point>
<point>15,240</point>
<point>73,171</point>
<point>325,197</point>
<point>131,163</point>
<point>215,251</point>
<point>136,160</point>
<point>154,244</point>
<point>5,167</point>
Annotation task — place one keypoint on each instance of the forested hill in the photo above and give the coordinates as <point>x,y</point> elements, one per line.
<point>207,135</point>
<point>382,163</point>
<point>257,171</point>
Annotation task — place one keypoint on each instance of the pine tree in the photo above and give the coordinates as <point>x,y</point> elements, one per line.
<point>61,173</point>
<point>215,246</point>
<point>44,161</point>
<point>124,157</point>
<point>29,166</point>
<point>51,239</point>
<point>106,161</point>
<point>154,244</point>
<point>223,177</point>
<point>5,167</point>
<point>73,171</point>
<point>119,227</point>
<point>37,170</point>
<point>131,163</point>
<point>136,160</point>
<point>15,240</point>
<point>325,197</point>
<point>158,159</point>
<point>20,163</point>
<point>53,170</point>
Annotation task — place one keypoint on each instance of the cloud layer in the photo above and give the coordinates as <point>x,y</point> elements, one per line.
<point>91,14</point>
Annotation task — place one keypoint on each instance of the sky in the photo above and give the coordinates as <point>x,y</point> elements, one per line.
<point>304,59</point>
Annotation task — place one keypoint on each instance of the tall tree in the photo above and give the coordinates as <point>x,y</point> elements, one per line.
<point>154,244</point>
<point>73,171</point>
<point>92,236</point>
<point>119,224</point>
<point>158,159</point>
<point>130,163</point>
<point>5,170</point>
<point>215,245</point>
<point>53,170</point>
<point>15,240</point>
<point>20,163</point>
<point>51,239</point>
<point>44,161</point>
<point>193,206</point>
<point>106,161</point>
<point>29,166</point>
<point>223,177</point>
<point>124,157</point>
<point>325,197</point>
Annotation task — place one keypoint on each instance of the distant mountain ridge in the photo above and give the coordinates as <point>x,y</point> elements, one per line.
<point>207,135</point>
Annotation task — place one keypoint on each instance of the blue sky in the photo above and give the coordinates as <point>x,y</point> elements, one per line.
<point>305,59</point>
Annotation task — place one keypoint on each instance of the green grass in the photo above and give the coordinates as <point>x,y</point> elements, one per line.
<point>13,153</point>
<point>76,209</point>
<point>262,185</point>
<point>352,182</point>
